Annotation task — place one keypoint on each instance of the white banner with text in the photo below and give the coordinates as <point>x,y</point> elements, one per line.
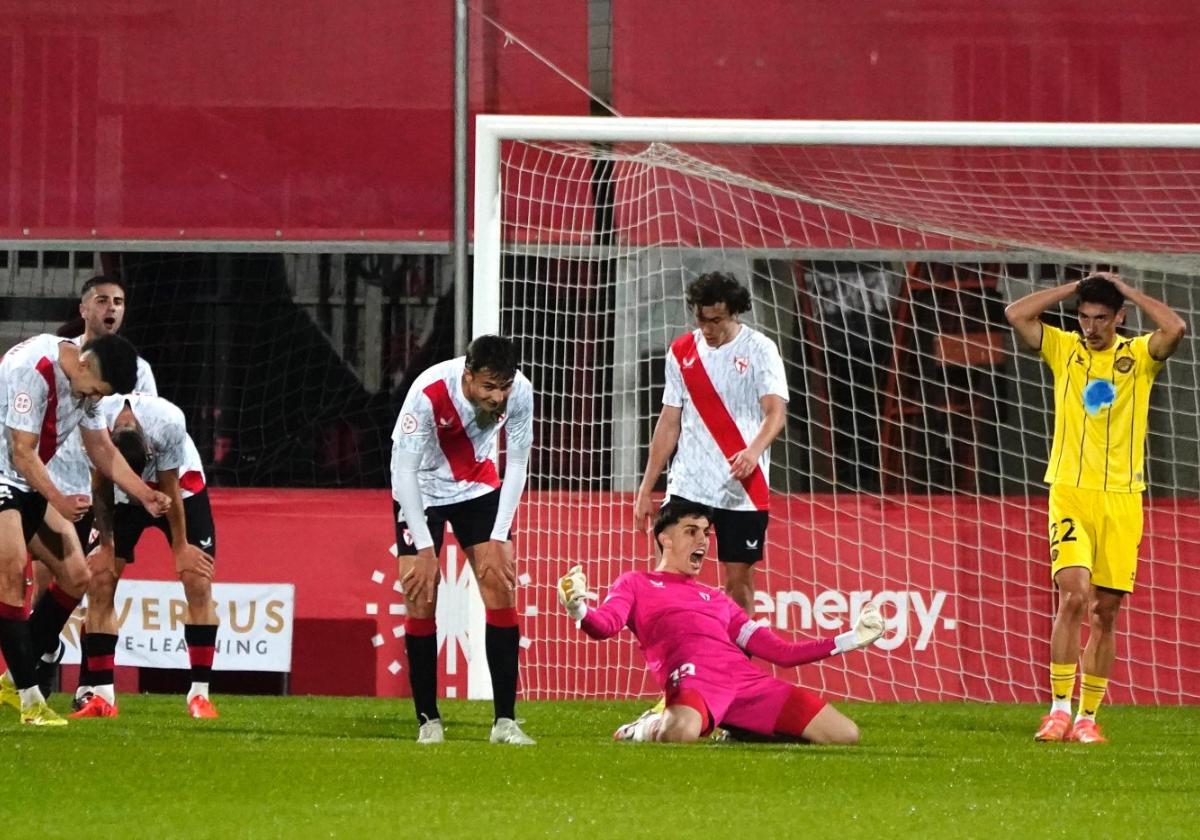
<point>255,633</point>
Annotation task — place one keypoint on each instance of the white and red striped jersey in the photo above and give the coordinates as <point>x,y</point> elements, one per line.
<point>719,390</point>
<point>37,397</point>
<point>70,468</point>
<point>168,445</point>
<point>458,455</point>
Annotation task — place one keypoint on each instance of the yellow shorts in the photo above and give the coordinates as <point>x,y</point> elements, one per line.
<point>1097,530</point>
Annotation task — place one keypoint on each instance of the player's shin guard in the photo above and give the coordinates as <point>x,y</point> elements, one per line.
<point>99,652</point>
<point>48,618</point>
<point>202,645</point>
<point>16,643</point>
<point>420,643</point>
<point>502,641</point>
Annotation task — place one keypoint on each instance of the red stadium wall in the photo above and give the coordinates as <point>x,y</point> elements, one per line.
<point>984,634</point>
<point>229,120</point>
<point>234,120</point>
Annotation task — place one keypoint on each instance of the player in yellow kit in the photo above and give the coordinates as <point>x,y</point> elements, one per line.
<point>1102,384</point>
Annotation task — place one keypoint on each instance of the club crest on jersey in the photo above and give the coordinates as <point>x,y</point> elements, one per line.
<point>22,403</point>
<point>408,423</point>
<point>1123,364</point>
<point>741,363</point>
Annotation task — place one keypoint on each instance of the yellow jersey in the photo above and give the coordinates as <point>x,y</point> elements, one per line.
<point>1101,406</point>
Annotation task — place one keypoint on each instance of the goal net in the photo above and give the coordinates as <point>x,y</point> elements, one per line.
<point>880,257</point>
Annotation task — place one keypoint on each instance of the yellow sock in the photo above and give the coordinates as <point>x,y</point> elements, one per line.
<point>1062,685</point>
<point>1091,695</point>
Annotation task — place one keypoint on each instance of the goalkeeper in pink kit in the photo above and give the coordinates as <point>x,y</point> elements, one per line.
<point>695,640</point>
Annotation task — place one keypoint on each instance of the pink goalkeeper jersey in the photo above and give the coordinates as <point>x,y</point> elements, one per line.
<point>678,621</point>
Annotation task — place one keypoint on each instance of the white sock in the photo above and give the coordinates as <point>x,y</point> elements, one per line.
<point>107,692</point>
<point>30,696</point>
<point>1084,716</point>
<point>1060,706</point>
<point>83,691</point>
<point>198,689</point>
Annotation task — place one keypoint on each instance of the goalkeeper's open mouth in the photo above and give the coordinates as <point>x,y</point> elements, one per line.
<point>697,559</point>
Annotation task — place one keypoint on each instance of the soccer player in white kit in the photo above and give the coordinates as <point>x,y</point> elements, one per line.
<point>444,456</point>
<point>696,640</point>
<point>102,301</point>
<point>153,432</point>
<point>48,388</point>
<point>724,402</point>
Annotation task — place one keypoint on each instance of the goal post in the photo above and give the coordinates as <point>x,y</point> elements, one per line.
<point>880,256</point>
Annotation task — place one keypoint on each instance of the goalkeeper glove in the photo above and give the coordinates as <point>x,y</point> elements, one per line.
<point>572,590</point>
<point>867,629</point>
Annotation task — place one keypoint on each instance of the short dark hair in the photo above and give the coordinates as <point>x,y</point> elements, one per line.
<point>118,362</point>
<point>1096,288</point>
<point>495,353</point>
<point>100,280</point>
<point>677,509</point>
<point>132,446</point>
<point>718,287</point>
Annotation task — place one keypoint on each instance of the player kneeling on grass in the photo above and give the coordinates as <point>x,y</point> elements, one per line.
<point>696,639</point>
<point>151,432</point>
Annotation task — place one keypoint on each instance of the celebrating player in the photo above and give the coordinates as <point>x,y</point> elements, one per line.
<point>152,433</point>
<point>724,403</point>
<point>444,451</point>
<point>1102,387</point>
<point>695,641</point>
<point>48,387</point>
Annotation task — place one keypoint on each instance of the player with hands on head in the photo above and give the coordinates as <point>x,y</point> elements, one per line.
<point>152,435</point>
<point>444,455</point>
<point>1102,383</point>
<point>695,640</point>
<point>48,388</point>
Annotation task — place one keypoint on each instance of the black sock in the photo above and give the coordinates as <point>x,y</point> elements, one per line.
<point>420,642</point>
<point>48,618</point>
<point>202,647</point>
<point>17,646</point>
<point>99,650</point>
<point>502,640</point>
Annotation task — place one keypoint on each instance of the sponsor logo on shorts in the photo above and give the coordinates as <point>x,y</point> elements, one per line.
<point>752,544</point>
<point>206,542</point>
<point>408,423</point>
<point>1123,364</point>
<point>406,535</point>
<point>22,403</point>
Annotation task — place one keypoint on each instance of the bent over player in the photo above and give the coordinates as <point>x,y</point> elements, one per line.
<point>695,640</point>
<point>152,432</point>
<point>444,450</point>
<point>1102,384</point>
<point>48,388</point>
<point>724,402</point>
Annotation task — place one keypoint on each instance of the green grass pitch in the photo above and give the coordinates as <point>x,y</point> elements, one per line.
<point>348,767</point>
